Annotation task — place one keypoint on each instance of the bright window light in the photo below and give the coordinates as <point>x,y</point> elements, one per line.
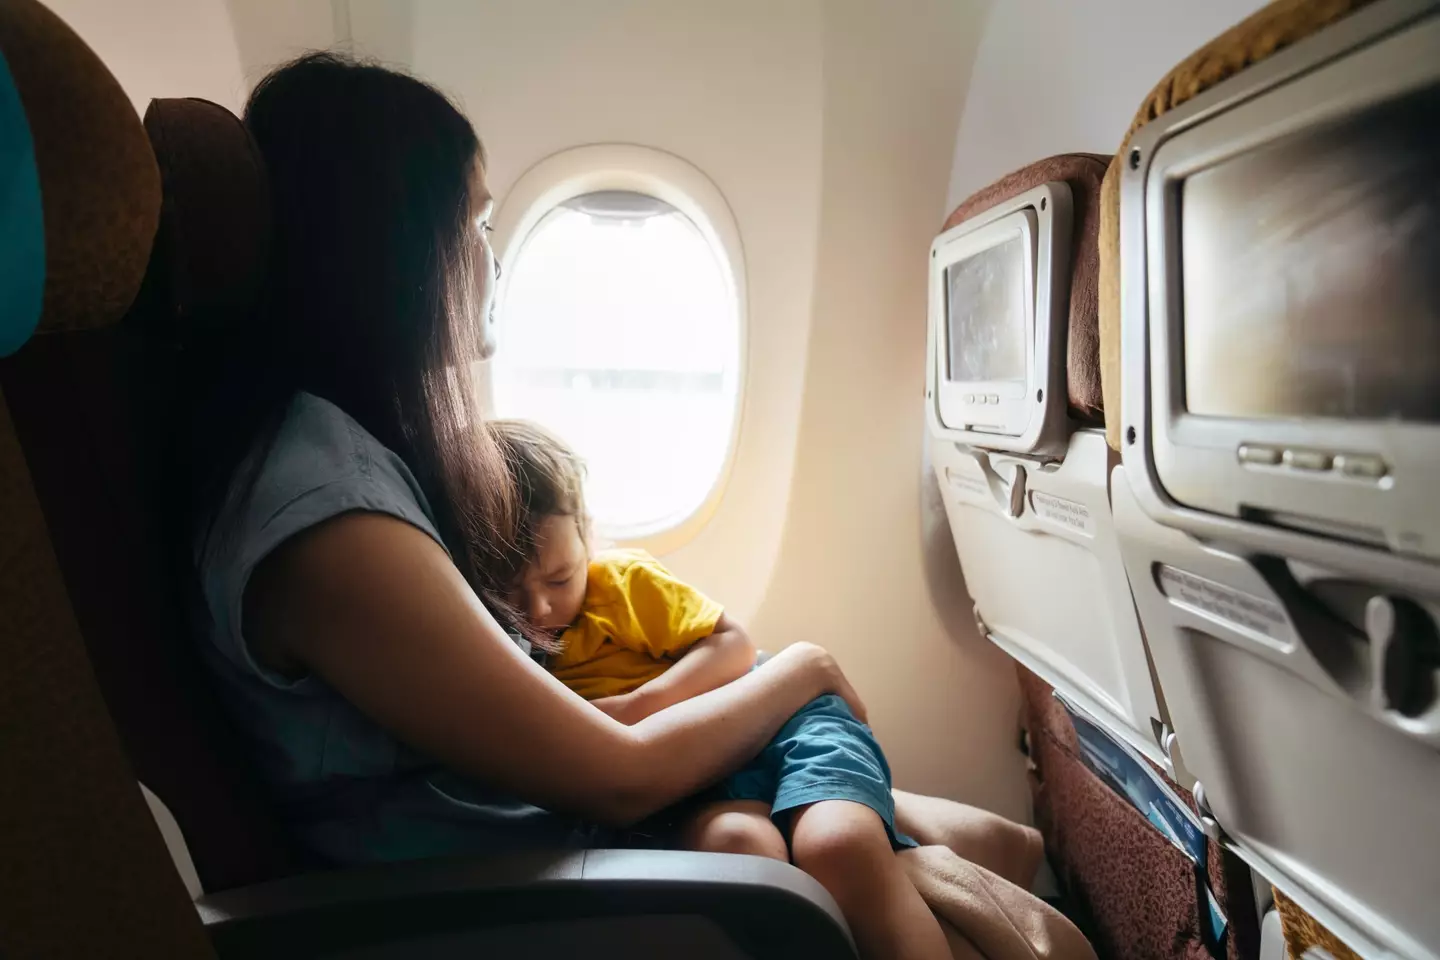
<point>620,331</point>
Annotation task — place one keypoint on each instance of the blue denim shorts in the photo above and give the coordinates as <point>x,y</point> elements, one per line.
<point>822,753</point>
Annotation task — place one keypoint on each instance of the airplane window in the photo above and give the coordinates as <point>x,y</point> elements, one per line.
<point>620,330</point>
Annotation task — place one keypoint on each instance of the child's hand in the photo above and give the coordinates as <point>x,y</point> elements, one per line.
<point>625,707</point>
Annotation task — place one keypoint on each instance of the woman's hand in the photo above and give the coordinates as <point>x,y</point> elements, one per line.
<point>819,666</point>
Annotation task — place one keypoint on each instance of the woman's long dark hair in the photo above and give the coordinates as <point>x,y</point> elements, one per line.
<point>369,302</point>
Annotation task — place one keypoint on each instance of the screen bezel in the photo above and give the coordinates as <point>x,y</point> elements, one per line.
<point>1196,456</point>
<point>1028,416</point>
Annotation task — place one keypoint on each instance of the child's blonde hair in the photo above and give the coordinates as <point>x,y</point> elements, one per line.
<point>549,477</point>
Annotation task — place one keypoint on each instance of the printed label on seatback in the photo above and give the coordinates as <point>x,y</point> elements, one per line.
<point>1067,513</point>
<point>968,484</point>
<point>1224,603</point>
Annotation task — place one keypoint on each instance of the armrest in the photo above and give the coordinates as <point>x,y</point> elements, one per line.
<point>761,907</point>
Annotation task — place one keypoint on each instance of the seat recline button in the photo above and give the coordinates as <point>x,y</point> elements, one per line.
<point>1314,460</point>
<point>1264,456</point>
<point>1360,465</point>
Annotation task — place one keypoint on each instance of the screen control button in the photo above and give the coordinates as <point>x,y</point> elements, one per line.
<point>1361,465</point>
<point>1264,456</point>
<point>1307,460</point>
<point>969,398</point>
<point>992,398</point>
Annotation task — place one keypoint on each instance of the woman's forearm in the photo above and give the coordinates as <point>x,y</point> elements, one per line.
<point>693,744</point>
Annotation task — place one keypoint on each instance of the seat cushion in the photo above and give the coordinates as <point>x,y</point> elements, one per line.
<point>1263,34</point>
<point>1083,172</point>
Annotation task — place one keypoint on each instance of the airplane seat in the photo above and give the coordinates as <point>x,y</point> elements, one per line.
<point>134,245</point>
<point>85,873</point>
<point>1271,343</point>
<point>1041,557</point>
<point>1030,516</point>
<point>108,495</point>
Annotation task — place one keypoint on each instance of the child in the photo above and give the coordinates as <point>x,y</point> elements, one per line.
<point>635,640</point>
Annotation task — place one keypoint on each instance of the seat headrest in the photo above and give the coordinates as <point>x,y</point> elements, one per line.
<point>99,186</point>
<point>215,220</point>
<point>1083,172</point>
<point>1264,33</point>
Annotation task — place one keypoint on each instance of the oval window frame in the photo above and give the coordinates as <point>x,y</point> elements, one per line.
<point>571,173</point>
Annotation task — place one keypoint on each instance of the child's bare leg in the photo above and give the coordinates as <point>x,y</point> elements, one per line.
<point>844,845</point>
<point>737,826</point>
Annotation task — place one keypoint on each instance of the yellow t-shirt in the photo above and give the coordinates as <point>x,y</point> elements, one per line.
<point>637,621</point>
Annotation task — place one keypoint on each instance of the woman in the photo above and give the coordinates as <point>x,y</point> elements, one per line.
<point>355,525</point>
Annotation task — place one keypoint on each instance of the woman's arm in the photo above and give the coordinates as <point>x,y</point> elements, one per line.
<point>726,655</point>
<point>377,609</point>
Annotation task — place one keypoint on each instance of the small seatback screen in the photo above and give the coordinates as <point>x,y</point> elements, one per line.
<point>1311,272</point>
<point>985,314</point>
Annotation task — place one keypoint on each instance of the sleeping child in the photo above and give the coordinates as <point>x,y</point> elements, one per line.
<point>634,639</point>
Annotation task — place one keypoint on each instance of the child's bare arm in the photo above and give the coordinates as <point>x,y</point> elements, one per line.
<point>726,655</point>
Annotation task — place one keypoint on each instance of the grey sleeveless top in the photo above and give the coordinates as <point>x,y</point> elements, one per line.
<point>349,790</point>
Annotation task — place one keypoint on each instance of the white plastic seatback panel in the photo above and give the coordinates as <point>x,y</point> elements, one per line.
<point>1050,583</point>
<point>1272,938</point>
<point>1333,806</point>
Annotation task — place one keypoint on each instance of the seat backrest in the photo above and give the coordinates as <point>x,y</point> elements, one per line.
<point>1035,538</point>
<point>97,413</point>
<point>1284,558</point>
<point>86,870</point>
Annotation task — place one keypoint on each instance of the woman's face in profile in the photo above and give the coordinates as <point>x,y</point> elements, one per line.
<point>487,269</point>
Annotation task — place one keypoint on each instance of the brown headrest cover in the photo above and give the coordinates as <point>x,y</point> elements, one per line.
<point>1262,34</point>
<point>215,223</point>
<point>1083,172</point>
<point>99,188</point>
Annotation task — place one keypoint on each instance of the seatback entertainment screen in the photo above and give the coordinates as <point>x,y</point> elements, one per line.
<point>1311,273</point>
<point>985,313</point>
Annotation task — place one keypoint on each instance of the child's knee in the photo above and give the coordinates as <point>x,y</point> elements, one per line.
<point>743,831</point>
<point>839,841</point>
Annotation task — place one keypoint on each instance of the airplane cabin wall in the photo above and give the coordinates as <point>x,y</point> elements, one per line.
<point>733,88</point>
<point>162,48</point>
<point>212,49</point>
<point>270,32</point>
<point>1056,76</point>
<point>853,567</point>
